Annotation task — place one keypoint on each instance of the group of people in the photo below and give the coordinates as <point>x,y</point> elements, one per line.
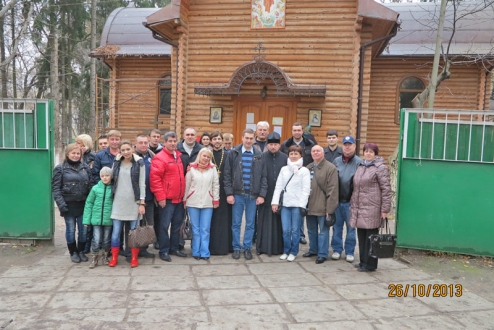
<point>274,184</point>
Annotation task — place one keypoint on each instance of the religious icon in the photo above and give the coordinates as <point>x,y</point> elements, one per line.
<point>215,115</point>
<point>268,14</point>
<point>315,117</point>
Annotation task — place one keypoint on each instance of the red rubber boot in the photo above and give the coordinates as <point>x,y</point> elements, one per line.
<point>114,256</point>
<point>135,253</point>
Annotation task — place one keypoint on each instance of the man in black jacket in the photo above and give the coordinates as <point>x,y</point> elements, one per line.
<point>299,139</point>
<point>189,147</point>
<point>245,187</point>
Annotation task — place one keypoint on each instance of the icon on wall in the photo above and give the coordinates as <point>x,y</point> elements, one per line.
<point>215,115</point>
<point>315,117</point>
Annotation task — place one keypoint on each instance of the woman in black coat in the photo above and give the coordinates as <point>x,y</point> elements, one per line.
<point>71,184</point>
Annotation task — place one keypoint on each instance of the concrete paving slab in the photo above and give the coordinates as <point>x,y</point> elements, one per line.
<point>95,283</point>
<point>23,301</point>
<point>94,300</point>
<point>431,322</point>
<point>162,283</point>
<point>227,282</point>
<point>397,276</point>
<point>327,267</point>
<point>56,260</point>
<point>339,325</point>
<point>57,324</point>
<point>13,318</point>
<point>479,320</point>
<point>261,313</point>
<point>236,297</point>
<point>162,270</point>
<point>345,278</point>
<point>85,314</point>
<point>35,271</point>
<point>276,268</point>
<point>82,270</point>
<point>304,294</point>
<point>288,280</point>
<point>230,269</point>
<point>393,307</point>
<point>185,316</point>
<point>323,311</point>
<point>164,299</point>
<point>390,263</point>
<point>29,284</point>
<point>468,301</point>
<point>239,326</point>
<point>170,325</point>
<point>363,291</point>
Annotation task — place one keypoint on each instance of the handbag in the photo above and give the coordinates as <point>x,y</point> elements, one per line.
<point>282,193</point>
<point>142,235</point>
<point>185,228</point>
<point>382,245</point>
<point>330,220</point>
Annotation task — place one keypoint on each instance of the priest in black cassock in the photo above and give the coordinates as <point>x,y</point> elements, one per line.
<point>220,241</point>
<point>269,230</point>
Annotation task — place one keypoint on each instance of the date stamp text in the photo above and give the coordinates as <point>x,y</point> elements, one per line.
<point>425,290</point>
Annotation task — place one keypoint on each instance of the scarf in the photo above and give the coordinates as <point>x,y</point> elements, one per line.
<point>295,166</point>
<point>366,163</point>
<point>201,166</point>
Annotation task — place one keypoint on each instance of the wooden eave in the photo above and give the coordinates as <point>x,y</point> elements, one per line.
<point>164,22</point>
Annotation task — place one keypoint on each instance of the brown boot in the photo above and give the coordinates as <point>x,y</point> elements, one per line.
<point>135,253</point>
<point>94,260</point>
<point>114,256</point>
<point>104,257</point>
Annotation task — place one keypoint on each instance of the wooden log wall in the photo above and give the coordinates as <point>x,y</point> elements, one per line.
<point>316,47</point>
<point>458,92</point>
<point>135,95</point>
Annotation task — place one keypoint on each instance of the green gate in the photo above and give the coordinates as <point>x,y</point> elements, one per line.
<point>26,149</point>
<point>445,181</point>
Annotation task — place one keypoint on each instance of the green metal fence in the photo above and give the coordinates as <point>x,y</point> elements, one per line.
<point>445,180</point>
<point>26,149</point>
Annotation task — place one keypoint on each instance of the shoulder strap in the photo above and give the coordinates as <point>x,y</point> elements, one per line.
<point>320,187</point>
<point>288,181</point>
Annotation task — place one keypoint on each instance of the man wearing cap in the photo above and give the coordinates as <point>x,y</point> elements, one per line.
<point>347,165</point>
<point>332,151</point>
<point>269,230</point>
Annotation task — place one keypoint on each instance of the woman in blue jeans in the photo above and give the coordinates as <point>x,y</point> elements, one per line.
<point>129,193</point>
<point>294,181</point>
<point>71,184</point>
<point>202,194</point>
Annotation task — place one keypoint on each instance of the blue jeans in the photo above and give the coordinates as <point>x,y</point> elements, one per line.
<point>101,238</point>
<point>318,236</point>
<point>172,214</point>
<point>70,224</point>
<point>117,229</point>
<point>247,203</point>
<point>342,214</point>
<point>290,222</point>
<point>200,219</point>
<point>302,234</point>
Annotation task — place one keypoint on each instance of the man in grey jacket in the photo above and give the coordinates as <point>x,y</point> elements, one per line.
<point>245,187</point>
<point>347,165</point>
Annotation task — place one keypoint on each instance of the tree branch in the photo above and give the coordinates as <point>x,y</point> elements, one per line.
<point>19,37</point>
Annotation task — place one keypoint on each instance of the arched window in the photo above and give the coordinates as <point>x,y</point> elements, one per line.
<point>165,87</point>
<point>408,88</point>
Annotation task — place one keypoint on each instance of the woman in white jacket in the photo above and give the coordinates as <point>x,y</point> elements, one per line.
<point>294,181</point>
<point>202,194</point>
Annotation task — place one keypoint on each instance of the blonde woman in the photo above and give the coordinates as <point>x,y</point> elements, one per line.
<point>202,195</point>
<point>85,142</point>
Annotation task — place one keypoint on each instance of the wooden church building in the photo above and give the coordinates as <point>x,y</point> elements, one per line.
<point>224,65</point>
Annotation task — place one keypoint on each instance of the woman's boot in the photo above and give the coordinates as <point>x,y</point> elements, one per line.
<point>135,253</point>
<point>104,257</point>
<point>81,246</point>
<point>94,260</point>
<point>74,254</point>
<point>114,256</point>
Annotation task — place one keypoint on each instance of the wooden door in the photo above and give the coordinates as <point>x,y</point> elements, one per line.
<point>279,113</point>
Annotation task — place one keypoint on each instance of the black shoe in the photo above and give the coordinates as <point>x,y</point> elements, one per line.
<point>156,246</point>
<point>248,254</point>
<point>365,270</point>
<point>165,257</point>
<point>303,240</point>
<point>356,265</point>
<point>320,260</point>
<point>145,254</point>
<point>309,254</point>
<point>236,254</point>
<point>197,258</point>
<point>205,258</point>
<point>181,247</point>
<point>179,254</point>
<point>75,257</point>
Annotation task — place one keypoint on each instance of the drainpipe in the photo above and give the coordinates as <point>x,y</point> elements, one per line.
<point>361,80</point>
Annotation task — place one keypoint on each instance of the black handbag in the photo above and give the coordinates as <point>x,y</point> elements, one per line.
<point>282,193</point>
<point>186,228</point>
<point>330,220</point>
<point>382,245</point>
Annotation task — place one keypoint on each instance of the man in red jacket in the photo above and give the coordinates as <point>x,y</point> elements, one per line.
<point>168,185</point>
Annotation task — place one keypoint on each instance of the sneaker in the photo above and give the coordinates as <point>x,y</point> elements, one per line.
<point>291,257</point>
<point>283,256</point>
<point>335,256</point>
<point>350,259</point>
